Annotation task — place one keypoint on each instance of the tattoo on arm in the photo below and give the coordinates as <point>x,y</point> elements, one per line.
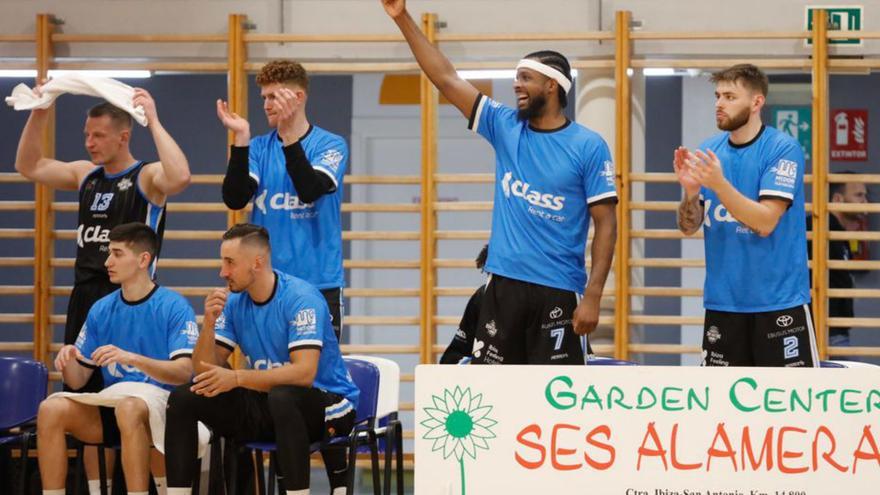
<point>690,215</point>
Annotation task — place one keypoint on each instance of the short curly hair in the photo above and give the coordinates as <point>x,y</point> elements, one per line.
<point>283,72</point>
<point>750,76</point>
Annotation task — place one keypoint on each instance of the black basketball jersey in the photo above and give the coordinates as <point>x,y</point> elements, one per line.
<point>106,201</point>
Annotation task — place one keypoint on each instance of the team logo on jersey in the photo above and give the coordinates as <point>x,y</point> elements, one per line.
<point>91,234</point>
<point>124,185</point>
<point>192,332</point>
<point>719,214</point>
<point>478,348</point>
<point>713,335</point>
<point>520,189</point>
<point>306,322</point>
<point>120,370</point>
<point>608,172</point>
<point>786,168</point>
<point>331,159</point>
<point>784,321</point>
<point>261,364</point>
<point>281,201</point>
<point>220,322</point>
<point>786,173</point>
<point>491,329</point>
<point>81,338</point>
<point>556,313</point>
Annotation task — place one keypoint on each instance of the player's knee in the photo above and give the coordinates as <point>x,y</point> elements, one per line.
<point>52,413</point>
<point>182,399</point>
<point>131,412</point>
<point>285,397</point>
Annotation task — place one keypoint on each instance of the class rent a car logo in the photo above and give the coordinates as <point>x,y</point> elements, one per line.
<point>279,201</point>
<point>520,189</point>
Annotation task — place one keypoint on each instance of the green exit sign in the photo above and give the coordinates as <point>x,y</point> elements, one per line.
<point>846,18</point>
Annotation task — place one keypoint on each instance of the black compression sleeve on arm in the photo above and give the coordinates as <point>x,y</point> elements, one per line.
<point>310,184</point>
<point>238,186</point>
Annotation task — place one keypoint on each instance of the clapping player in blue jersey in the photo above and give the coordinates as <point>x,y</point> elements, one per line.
<point>551,177</point>
<point>294,177</point>
<point>745,186</point>
<point>141,338</point>
<point>296,389</point>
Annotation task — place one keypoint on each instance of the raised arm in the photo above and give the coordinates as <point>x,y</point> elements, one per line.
<point>690,211</point>
<point>170,175</point>
<point>436,66</point>
<point>310,183</point>
<point>761,216</point>
<point>238,186</point>
<point>207,352</point>
<point>30,162</point>
<point>690,215</point>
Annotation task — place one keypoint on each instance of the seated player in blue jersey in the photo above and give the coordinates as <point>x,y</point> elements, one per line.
<point>141,338</point>
<point>294,177</point>
<point>745,187</point>
<point>552,176</point>
<point>296,389</point>
<point>113,188</point>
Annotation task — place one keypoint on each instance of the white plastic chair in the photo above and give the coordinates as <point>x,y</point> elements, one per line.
<point>388,424</point>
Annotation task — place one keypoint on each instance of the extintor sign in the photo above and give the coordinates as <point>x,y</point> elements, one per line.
<point>849,135</point>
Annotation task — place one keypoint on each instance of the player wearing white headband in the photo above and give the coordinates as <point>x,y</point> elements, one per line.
<point>552,176</point>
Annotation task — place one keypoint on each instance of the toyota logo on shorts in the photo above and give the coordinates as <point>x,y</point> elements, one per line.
<point>784,321</point>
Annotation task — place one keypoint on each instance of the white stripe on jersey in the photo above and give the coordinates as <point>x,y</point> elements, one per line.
<point>328,174</point>
<point>179,352</point>
<point>773,192</point>
<point>476,123</point>
<point>598,197</point>
<point>303,343</point>
<point>814,348</point>
<point>154,263</point>
<point>225,340</point>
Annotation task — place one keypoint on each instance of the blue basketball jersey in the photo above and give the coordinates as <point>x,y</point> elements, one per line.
<point>160,326</point>
<point>545,182</point>
<point>747,273</point>
<point>306,238</point>
<point>294,317</point>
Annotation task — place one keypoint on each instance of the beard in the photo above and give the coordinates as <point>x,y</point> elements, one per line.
<point>236,288</point>
<point>734,122</point>
<point>851,216</point>
<point>535,108</point>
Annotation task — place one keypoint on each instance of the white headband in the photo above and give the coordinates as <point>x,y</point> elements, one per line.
<point>545,69</point>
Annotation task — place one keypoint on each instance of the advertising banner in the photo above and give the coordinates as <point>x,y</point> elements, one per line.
<point>646,430</point>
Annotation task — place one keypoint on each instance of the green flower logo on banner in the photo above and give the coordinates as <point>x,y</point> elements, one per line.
<point>459,424</point>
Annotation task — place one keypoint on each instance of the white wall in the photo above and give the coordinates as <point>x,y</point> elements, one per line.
<point>387,139</point>
<point>367,16</point>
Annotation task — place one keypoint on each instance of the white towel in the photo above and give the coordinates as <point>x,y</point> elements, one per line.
<point>156,399</point>
<point>117,93</point>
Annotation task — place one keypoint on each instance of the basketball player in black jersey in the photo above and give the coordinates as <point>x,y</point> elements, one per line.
<point>114,188</point>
